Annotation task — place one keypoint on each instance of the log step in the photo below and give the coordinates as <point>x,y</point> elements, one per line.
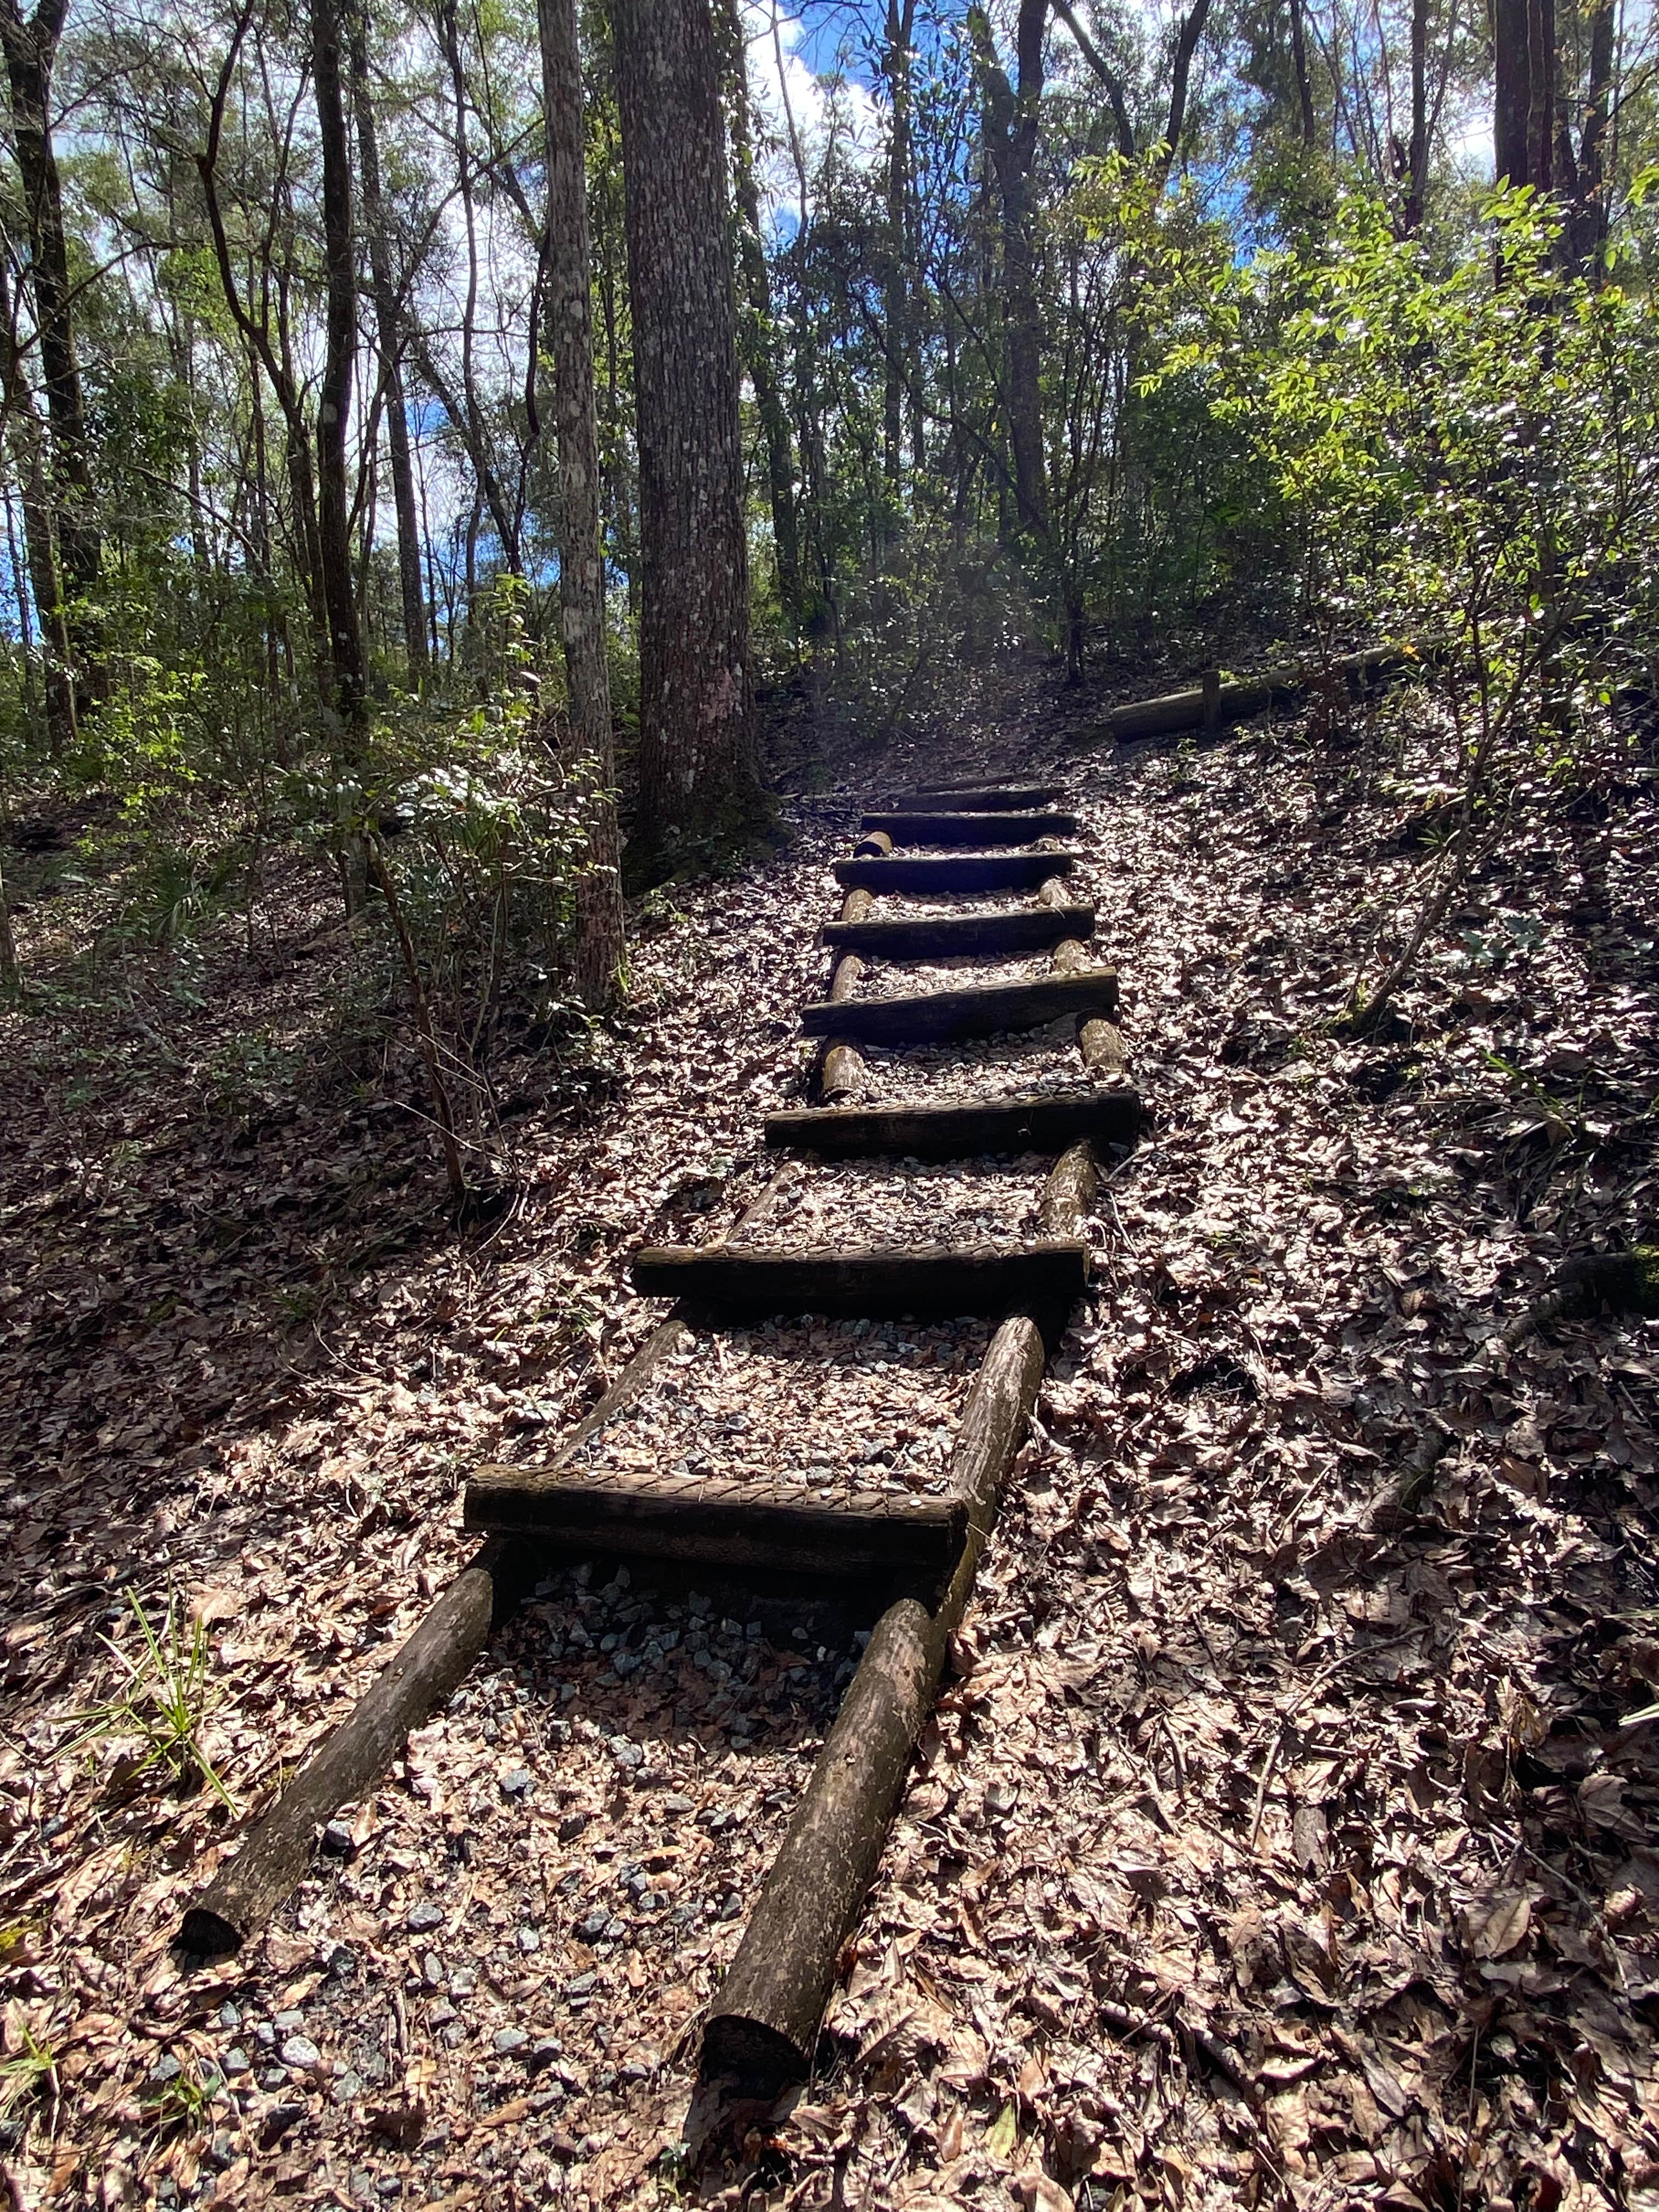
<point>976,1010</point>
<point>982,798</point>
<point>1038,1123</point>
<point>954,829</point>
<point>757,1526</point>
<point>951,936</point>
<point>931,1282</point>
<point>955,871</point>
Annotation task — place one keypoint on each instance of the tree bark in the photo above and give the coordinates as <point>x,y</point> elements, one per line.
<point>31,49</point>
<point>698,764</point>
<point>346,634</point>
<point>756,337</point>
<point>1010,122</point>
<point>1524,88</point>
<point>1417,174</point>
<point>39,537</point>
<point>383,285</point>
<point>570,324</point>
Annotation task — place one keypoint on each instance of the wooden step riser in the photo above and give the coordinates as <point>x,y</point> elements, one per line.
<point>954,1132</point>
<point>953,872</point>
<point>977,799</point>
<point>747,1528</point>
<point>959,936</point>
<point>929,1282</point>
<point>968,828</point>
<point>981,1010</point>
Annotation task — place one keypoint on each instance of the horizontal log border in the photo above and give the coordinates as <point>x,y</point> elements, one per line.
<point>930,1282</point>
<point>954,871</point>
<point>763,1525</point>
<point>1041,1122</point>
<point>973,1010</point>
<point>959,936</point>
<point>980,797</point>
<point>1216,703</point>
<point>964,829</point>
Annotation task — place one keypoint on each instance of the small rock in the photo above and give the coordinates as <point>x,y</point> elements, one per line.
<point>545,2050</point>
<point>236,2062</point>
<point>462,1984</point>
<point>285,2023</point>
<point>529,1940</point>
<point>519,1783</point>
<point>453,2035</point>
<point>422,1916</point>
<point>593,1924</point>
<point>581,1985</point>
<point>432,1971</point>
<point>347,2085</point>
<point>627,1753</point>
<point>441,2016</point>
<point>342,1962</point>
<point>506,2039</point>
<point>572,1825</point>
<point>166,2069</point>
<point>230,2015</point>
<point>300,2052</point>
<point>674,1802</point>
<point>338,1842</point>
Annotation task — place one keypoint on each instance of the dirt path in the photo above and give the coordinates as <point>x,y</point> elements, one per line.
<point>1248,1863</point>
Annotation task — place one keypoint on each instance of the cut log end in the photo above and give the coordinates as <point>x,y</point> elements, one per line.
<point>752,2058</point>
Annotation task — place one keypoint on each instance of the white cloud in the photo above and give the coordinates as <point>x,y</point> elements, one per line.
<point>789,92</point>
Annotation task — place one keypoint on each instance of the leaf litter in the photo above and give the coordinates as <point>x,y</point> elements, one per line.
<point>1268,1845</point>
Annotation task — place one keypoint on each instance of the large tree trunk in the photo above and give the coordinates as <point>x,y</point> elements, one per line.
<point>570,324</point>
<point>1523,91</point>
<point>386,320</point>
<point>334,389</point>
<point>1011,117</point>
<point>699,773</point>
<point>31,48</point>
<point>40,539</point>
<point>756,338</point>
<point>898,367</point>
<point>1417,172</point>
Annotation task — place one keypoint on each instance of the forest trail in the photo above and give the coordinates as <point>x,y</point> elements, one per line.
<point>1259,1850</point>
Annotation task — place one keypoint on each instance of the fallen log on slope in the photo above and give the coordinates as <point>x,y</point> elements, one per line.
<point>1215,704</point>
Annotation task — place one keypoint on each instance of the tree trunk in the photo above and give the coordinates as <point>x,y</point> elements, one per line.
<point>570,324</point>
<point>896,67</point>
<point>698,770</point>
<point>384,291</point>
<point>1524,58</point>
<point>1304,82</point>
<point>31,48</point>
<point>334,389</point>
<point>756,336</point>
<point>40,539</point>
<point>1011,115</point>
<point>1417,158</point>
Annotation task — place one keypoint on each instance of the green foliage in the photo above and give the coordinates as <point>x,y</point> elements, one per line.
<point>27,2070</point>
<point>164,1703</point>
<point>1462,442</point>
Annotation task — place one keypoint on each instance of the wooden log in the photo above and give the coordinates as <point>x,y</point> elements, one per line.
<point>929,1281</point>
<point>1212,703</point>
<point>766,2014</point>
<point>911,873</point>
<point>967,828</point>
<point>842,1072</point>
<point>1099,1041</point>
<point>873,845</point>
<point>981,797</point>
<point>955,936</point>
<point>1041,1122</point>
<point>274,1854</point>
<point>758,1526</point>
<point>972,1010</point>
<point>1068,1196</point>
